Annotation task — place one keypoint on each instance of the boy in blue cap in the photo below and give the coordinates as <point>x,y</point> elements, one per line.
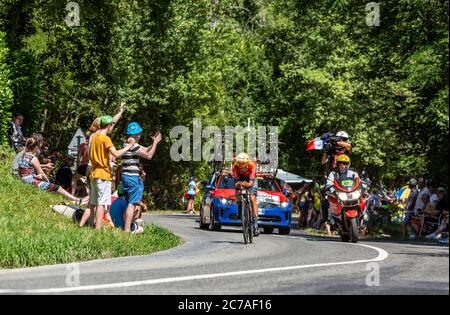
<point>131,181</point>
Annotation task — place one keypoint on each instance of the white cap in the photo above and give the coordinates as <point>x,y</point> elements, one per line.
<point>413,181</point>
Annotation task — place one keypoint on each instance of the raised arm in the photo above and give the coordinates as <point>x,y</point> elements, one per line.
<point>119,153</point>
<point>147,153</point>
<point>119,114</point>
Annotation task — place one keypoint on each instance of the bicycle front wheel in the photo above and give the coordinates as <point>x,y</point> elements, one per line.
<point>249,223</point>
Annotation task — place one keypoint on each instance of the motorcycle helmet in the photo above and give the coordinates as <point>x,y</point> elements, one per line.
<point>343,158</point>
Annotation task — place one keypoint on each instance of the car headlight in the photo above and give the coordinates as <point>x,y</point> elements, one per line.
<point>356,194</point>
<point>284,204</point>
<point>226,201</point>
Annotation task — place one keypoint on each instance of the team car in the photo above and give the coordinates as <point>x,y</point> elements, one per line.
<point>219,206</point>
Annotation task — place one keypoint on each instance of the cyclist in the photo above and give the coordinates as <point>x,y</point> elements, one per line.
<point>244,172</point>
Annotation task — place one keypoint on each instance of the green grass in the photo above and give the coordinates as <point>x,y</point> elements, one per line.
<point>31,234</point>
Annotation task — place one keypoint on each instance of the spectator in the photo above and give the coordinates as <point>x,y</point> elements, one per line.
<point>117,212</point>
<point>55,156</point>
<point>82,188</point>
<point>419,206</point>
<point>15,133</point>
<point>82,165</point>
<point>101,148</point>
<point>434,198</point>
<point>64,174</point>
<point>442,210</point>
<point>418,219</point>
<point>132,174</point>
<point>410,206</point>
<point>31,172</point>
<point>190,196</point>
<point>15,166</point>
<point>302,204</point>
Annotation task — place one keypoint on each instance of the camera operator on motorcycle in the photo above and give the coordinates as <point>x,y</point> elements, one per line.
<point>336,145</point>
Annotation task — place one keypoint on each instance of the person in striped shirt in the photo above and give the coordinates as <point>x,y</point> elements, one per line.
<point>132,183</point>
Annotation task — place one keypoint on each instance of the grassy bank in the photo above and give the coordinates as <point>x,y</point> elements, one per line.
<point>31,234</point>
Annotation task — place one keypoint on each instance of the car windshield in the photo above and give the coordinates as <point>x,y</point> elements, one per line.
<point>268,184</point>
<point>227,182</point>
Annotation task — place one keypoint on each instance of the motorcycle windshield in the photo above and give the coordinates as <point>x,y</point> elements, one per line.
<point>347,183</point>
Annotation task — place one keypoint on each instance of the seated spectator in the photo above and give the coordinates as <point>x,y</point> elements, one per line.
<point>443,226</point>
<point>441,210</point>
<point>82,189</point>
<point>64,174</point>
<point>30,171</point>
<point>55,156</point>
<point>15,166</point>
<point>117,212</point>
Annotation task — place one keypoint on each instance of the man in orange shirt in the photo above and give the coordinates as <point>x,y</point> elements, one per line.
<point>101,149</point>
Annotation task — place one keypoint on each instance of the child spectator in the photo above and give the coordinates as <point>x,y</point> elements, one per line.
<point>117,212</point>
<point>64,174</point>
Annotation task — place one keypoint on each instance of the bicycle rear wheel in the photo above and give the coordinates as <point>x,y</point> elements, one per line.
<point>249,222</point>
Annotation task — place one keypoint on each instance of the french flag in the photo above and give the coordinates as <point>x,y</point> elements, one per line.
<point>314,144</point>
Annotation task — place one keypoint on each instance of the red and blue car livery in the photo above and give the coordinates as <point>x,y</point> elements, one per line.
<point>219,206</point>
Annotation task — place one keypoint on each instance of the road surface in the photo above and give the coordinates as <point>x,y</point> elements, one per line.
<point>219,263</point>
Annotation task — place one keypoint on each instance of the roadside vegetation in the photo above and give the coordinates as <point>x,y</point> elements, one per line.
<point>31,234</point>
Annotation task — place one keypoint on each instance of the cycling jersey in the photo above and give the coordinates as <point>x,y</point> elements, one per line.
<point>248,175</point>
<point>245,175</point>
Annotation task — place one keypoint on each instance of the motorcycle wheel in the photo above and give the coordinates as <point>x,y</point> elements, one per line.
<point>345,237</point>
<point>354,231</point>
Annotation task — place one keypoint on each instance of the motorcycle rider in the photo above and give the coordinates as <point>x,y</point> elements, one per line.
<point>342,170</point>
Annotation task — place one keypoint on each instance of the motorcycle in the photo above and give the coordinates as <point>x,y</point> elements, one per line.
<point>346,206</point>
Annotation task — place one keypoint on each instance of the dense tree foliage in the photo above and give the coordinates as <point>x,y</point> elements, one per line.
<point>306,66</point>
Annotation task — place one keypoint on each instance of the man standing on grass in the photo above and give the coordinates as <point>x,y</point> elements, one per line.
<point>15,134</point>
<point>132,182</point>
<point>101,149</point>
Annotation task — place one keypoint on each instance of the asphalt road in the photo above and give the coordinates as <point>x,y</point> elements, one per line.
<point>219,263</point>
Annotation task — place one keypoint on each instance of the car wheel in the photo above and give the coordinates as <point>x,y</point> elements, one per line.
<point>268,230</point>
<point>284,231</point>
<point>202,225</point>
<point>214,226</point>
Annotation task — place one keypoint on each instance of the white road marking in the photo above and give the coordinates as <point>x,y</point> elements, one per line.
<point>382,255</point>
